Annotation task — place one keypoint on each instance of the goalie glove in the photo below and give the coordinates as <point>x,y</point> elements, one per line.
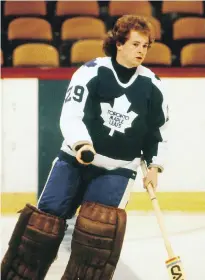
<point>85,153</point>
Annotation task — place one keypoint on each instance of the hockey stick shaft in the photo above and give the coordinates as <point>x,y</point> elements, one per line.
<point>158,213</point>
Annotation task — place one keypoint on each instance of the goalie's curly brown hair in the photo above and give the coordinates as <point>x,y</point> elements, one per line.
<point>121,30</point>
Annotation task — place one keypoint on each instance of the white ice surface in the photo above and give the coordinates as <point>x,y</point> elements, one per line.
<point>143,255</point>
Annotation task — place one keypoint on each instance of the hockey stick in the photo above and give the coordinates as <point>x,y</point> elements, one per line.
<point>173,264</point>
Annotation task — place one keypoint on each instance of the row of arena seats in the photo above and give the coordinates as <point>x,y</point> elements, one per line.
<point>36,30</point>
<point>96,8</point>
<point>44,55</point>
<point>167,13</point>
<point>62,23</point>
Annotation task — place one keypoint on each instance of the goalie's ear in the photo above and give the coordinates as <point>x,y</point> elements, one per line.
<point>119,46</point>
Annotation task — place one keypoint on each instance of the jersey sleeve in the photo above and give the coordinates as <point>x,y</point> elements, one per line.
<point>71,121</point>
<point>155,142</point>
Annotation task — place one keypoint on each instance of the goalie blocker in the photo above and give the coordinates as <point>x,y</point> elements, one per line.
<point>97,242</point>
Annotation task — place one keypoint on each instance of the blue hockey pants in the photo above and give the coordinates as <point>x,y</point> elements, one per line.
<point>70,183</point>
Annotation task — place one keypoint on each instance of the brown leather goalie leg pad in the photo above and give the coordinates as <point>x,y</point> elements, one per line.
<point>96,244</point>
<point>33,245</point>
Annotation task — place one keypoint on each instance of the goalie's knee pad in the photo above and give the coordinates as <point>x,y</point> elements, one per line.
<point>97,241</point>
<point>33,245</point>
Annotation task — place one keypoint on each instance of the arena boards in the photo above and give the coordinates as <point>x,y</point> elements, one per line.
<point>11,203</point>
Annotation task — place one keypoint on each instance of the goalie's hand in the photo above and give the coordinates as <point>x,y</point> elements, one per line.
<point>85,155</point>
<point>151,178</point>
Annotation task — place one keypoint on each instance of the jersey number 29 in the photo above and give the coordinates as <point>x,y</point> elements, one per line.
<point>77,94</point>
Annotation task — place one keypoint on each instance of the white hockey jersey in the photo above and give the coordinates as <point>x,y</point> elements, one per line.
<point>121,120</point>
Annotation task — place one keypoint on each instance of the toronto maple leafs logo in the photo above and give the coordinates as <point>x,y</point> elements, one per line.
<point>116,117</point>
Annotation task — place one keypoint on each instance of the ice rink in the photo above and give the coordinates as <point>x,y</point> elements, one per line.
<point>143,254</point>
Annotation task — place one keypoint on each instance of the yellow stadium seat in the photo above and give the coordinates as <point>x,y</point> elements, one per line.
<point>158,54</point>
<point>156,27</point>
<point>85,50</point>
<point>189,28</point>
<point>35,55</point>
<point>193,55</point>
<point>188,7</point>
<point>118,8</point>
<point>83,28</point>
<point>66,8</point>
<point>77,28</point>
<point>185,31</point>
<point>20,8</point>
<point>28,28</point>
<point>173,10</point>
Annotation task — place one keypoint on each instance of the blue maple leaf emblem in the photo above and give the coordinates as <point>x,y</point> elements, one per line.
<point>91,63</point>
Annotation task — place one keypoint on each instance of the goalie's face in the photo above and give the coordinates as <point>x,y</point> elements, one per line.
<point>133,51</point>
